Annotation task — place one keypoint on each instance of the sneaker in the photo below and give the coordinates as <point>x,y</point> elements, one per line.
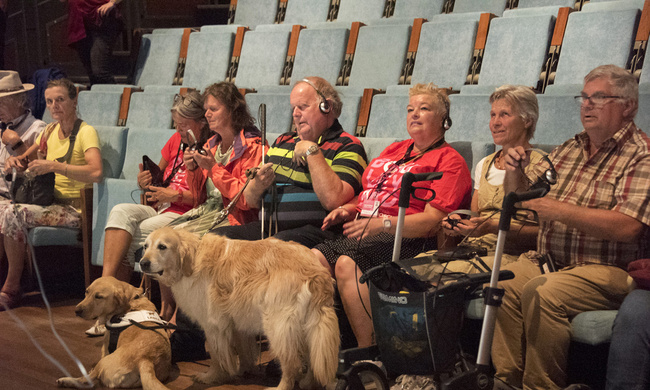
<point>96,330</point>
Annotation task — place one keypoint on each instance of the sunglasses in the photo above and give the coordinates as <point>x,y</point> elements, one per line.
<point>185,100</point>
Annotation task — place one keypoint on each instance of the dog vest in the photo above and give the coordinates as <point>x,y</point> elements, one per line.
<point>117,324</point>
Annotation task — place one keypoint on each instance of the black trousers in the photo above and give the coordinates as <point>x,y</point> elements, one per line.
<point>96,49</point>
<point>307,235</point>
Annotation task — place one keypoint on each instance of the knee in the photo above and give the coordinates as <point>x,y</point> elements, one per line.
<point>345,270</point>
<point>321,259</point>
<point>635,310</point>
<point>119,212</point>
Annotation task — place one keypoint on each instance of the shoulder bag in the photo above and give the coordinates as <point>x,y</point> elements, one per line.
<point>39,190</point>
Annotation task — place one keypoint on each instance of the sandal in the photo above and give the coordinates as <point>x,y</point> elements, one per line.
<point>9,300</point>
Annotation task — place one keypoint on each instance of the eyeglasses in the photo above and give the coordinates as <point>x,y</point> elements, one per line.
<point>185,100</point>
<point>596,99</point>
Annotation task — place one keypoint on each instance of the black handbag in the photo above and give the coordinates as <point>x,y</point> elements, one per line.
<point>39,190</point>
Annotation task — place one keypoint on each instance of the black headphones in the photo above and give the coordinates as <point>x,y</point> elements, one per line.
<point>446,122</point>
<point>324,105</point>
<point>548,178</point>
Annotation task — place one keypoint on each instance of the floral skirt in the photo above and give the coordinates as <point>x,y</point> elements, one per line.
<point>16,219</point>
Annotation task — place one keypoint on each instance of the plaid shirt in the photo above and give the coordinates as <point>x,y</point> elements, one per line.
<point>616,178</point>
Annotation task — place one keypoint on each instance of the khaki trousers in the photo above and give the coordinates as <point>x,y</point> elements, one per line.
<point>533,332</point>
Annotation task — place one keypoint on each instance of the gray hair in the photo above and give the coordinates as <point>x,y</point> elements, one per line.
<point>19,99</point>
<point>523,100</point>
<point>190,106</point>
<point>623,83</point>
<point>328,91</point>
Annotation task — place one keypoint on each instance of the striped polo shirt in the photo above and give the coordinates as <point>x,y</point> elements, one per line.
<point>296,203</point>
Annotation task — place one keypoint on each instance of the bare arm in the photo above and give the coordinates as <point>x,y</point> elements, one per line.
<point>515,162</point>
<point>104,9</point>
<point>16,162</point>
<point>91,172</point>
<point>424,224</point>
<point>330,189</point>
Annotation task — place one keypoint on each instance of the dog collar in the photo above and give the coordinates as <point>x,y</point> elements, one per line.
<point>117,324</point>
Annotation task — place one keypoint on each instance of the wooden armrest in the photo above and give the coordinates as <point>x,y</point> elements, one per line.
<point>90,272</point>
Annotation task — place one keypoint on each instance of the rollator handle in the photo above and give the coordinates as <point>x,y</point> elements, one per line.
<point>407,185</point>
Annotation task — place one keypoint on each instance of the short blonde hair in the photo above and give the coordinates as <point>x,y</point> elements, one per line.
<point>439,95</point>
<point>523,100</point>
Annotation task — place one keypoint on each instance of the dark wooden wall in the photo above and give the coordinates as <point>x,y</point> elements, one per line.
<point>36,34</point>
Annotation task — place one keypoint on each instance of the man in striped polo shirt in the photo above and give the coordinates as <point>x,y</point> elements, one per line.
<point>593,222</point>
<point>310,172</point>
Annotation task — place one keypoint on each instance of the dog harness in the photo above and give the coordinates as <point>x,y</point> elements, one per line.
<point>117,324</point>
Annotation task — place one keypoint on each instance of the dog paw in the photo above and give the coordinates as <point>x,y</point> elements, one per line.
<point>208,378</point>
<point>65,382</point>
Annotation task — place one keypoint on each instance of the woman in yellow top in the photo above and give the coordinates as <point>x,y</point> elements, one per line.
<point>84,166</point>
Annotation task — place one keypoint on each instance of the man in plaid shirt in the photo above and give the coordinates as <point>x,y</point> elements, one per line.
<point>593,222</point>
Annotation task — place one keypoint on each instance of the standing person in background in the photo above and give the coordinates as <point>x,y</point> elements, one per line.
<point>93,28</point>
<point>3,30</point>
<point>18,127</point>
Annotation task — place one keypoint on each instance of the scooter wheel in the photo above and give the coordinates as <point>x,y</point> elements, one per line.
<point>363,376</point>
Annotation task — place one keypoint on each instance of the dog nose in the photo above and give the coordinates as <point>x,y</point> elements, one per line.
<point>145,265</point>
<point>78,312</point>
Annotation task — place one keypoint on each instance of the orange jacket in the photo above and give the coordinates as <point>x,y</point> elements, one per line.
<point>231,178</point>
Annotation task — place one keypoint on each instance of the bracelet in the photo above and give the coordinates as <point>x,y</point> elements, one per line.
<point>17,145</point>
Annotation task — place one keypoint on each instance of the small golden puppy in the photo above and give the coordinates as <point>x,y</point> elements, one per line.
<point>237,289</point>
<point>143,356</point>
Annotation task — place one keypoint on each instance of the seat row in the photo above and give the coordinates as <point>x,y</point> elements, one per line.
<point>547,48</point>
<point>255,12</point>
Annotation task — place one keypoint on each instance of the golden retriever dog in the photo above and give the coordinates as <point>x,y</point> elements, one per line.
<point>236,290</point>
<point>142,357</point>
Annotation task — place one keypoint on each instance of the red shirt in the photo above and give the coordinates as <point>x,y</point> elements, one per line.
<point>170,152</point>
<point>453,190</point>
<point>80,13</point>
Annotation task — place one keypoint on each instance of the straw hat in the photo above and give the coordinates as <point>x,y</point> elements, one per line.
<point>10,83</point>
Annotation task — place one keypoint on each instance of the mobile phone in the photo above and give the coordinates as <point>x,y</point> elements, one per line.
<point>156,172</point>
<point>195,144</point>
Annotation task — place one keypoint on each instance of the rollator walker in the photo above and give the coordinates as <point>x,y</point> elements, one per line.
<point>418,325</point>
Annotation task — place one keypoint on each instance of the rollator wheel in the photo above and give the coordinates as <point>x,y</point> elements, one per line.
<point>363,376</point>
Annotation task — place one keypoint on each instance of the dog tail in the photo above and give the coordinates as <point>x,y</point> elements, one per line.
<point>148,376</point>
<point>322,329</point>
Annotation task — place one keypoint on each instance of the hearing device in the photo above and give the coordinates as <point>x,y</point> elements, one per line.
<point>324,105</point>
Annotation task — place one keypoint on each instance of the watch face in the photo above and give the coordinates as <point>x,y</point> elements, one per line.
<point>312,149</point>
<point>387,223</point>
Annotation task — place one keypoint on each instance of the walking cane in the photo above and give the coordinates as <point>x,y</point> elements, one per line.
<point>262,120</point>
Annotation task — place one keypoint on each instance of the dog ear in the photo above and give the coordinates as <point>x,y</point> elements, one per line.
<point>122,296</point>
<point>187,244</point>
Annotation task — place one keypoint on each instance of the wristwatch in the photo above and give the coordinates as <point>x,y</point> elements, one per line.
<point>387,224</point>
<point>312,150</point>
